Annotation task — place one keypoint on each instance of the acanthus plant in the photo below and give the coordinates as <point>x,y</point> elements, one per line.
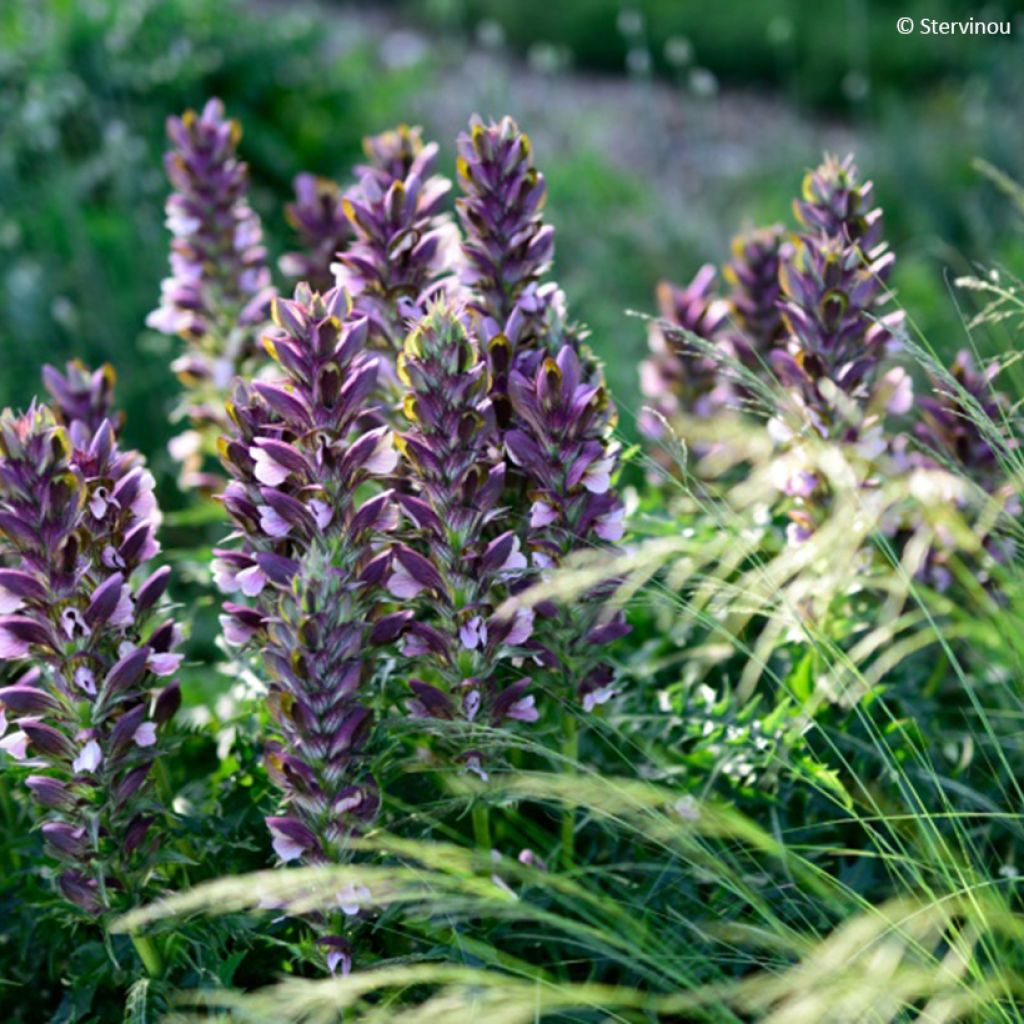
<point>79,599</point>
<point>835,303</point>
<point>553,411</point>
<point>454,568</point>
<point>312,559</point>
<point>219,291</point>
<point>317,215</point>
<point>401,238</point>
<point>962,427</point>
<point>741,327</point>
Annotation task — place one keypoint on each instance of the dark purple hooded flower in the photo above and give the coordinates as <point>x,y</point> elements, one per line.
<point>561,442</point>
<point>401,238</point>
<point>834,293</point>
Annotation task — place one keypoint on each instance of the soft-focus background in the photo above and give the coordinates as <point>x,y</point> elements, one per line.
<point>663,126</point>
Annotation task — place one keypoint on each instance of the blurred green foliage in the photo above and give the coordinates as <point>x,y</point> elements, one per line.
<point>824,54</point>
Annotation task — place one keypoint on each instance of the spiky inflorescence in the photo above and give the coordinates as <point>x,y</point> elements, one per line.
<point>834,294</point>
<point>952,415</point>
<point>318,218</point>
<point>756,321</point>
<point>219,289</point>
<point>963,428</point>
<point>310,558</point>
<point>834,289</point>
<point>676,379</point>
<point>77,523</point>
<point>562,443</point>
<point>506,251</point>
<point>401,237</point>
<point>82,399</point>
<point>452,570</point>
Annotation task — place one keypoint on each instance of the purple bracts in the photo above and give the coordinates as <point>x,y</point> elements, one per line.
<point>455,568</point>
<point>318,218</point>
<point>312,562</point>
<point>77,528</point>
<point>219,290</point>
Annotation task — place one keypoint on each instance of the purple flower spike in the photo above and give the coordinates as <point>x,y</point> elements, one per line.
<point>77,525</point>
<point>834,288</point>
<point>464,572</point>
<point>82,398</point>
<point>753,272</point>
<point>676,378</point>
<point>318,218</point>
<point>301,465</point>
<point>561,443</point>
<point>219,290</point>
<point>507,249</point>
<point>402,240</point>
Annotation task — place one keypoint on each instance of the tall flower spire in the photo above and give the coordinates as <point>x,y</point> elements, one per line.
<point>311,561</point>
<point>317,215</point>
<point>452,569</point>
<point>562,443</point>
<point>77,528</point>
<point>219,289</point>
<point>401,238</point>
<point>834,290</point>
<point>507,248</point>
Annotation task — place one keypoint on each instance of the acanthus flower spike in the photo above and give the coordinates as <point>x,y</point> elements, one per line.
<point>219,291</point>
<point>317,216</point>
<point>311,561</point>
<point>452,572</point>
<point>77,527</point>
<point>562,444</point>
<point>402,240</point>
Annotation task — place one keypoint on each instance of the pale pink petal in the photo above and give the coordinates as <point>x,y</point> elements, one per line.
<point>272,524</point>
<point>597,477</point>
<point>89,758</point>
<point>522,628</point>
<point>384,457</point>
<point>164,664</point>
<point>265,469</point>
<point>15,744</point>
<point>252,580</point>
<point>402,584</point>
<point>523,710</point>
<point>287,849</point>
<point>145,735</point>
<point>322,513</point>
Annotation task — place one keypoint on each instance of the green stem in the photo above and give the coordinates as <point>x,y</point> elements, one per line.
<point>482,825</point>
<point>570,752</point>
<point>149,954</point>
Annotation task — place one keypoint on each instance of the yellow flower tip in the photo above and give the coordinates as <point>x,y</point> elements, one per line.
<point>400,369</point>
<point>409,408</point>
<point>270,348</point>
